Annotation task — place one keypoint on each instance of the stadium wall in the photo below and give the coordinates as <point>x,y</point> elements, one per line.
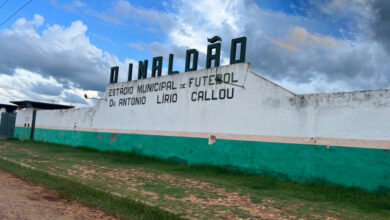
<point>247,123</point>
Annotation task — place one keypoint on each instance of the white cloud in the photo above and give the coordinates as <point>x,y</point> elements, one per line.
<point>123,12</point>
<point>23,27</point>
<point>27,85</point>
<point>69,7</point>
<point>59,64</point>
<point>289,49</point>
<point>293,50</point>
<point>302,38</point>
<point>137,46</point>
<point>63,52</point>
<point>320,85</point>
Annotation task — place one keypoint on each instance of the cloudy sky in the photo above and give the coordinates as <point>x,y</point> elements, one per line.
<point>55,50</point>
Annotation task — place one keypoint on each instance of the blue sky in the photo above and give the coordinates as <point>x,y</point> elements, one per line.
<point>66,48</point>
<point>115,37</point>
<point>106,35</point>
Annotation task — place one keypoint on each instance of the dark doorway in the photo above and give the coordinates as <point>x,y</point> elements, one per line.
<point>7,124</point>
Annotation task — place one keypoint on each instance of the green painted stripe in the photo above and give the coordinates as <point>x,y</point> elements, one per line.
<point>364,168</point>
<point>22,133</point>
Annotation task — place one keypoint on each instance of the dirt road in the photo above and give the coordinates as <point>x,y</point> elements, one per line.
<point>21,199</point>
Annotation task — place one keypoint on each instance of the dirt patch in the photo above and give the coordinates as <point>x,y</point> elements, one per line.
<point>49,195</point>
<point>201,194</point>
<point>181,194</point>
<point>222,197</point>
<point>27,151</point>
<point>5,145</point>
<point>20,199</point>
<point>153,195</point>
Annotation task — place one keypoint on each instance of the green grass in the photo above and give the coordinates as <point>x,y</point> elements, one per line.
<point>114,205</point>
<point>301,200</point>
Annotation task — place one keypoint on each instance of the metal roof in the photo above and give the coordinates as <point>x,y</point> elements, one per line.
<point>8,106</point>
<point>40,105</point>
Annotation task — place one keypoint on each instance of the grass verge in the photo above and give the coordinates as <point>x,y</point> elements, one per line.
<point>171,186</point>
<point>113,205</point>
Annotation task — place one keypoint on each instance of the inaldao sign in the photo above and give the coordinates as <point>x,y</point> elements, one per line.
<point>213,54</point>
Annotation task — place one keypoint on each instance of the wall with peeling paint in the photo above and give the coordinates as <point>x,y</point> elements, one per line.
<point>260,121</point>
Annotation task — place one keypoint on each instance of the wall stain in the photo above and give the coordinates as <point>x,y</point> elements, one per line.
<point>113,137</point>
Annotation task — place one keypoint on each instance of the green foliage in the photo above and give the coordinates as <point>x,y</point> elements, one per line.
<point>312,200</point>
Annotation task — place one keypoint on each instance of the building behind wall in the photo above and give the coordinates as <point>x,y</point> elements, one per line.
<point>8,108</point>
<point>27,111</point>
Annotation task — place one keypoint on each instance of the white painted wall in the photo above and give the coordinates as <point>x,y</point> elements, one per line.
<point>261,108</point>
<point>24,116</point>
